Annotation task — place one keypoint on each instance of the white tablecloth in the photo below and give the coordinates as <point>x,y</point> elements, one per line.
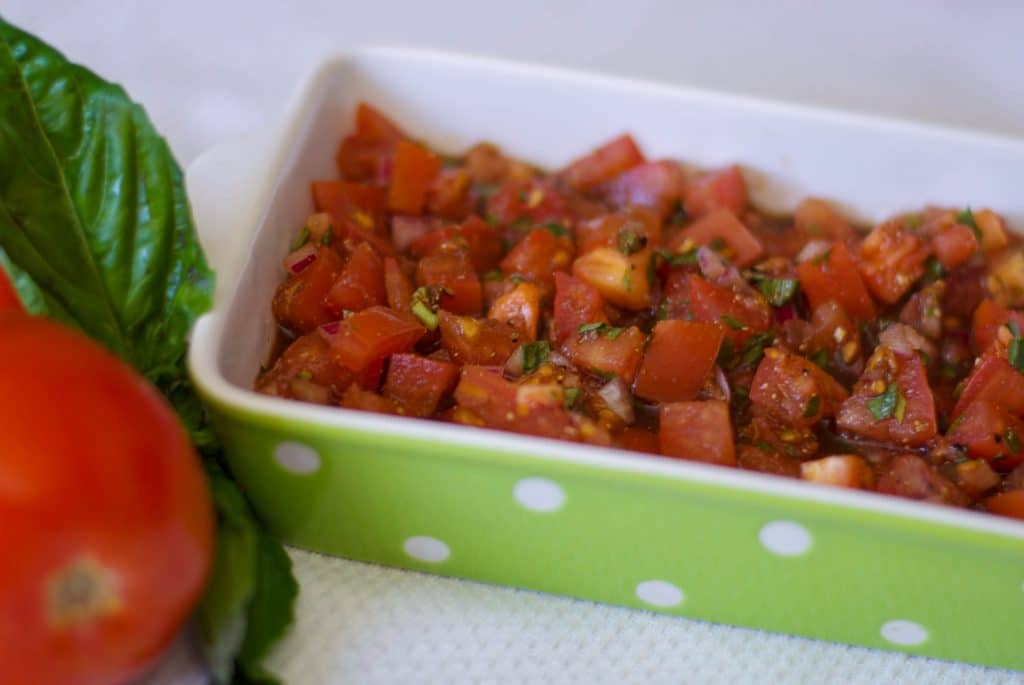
<point>207,70</point>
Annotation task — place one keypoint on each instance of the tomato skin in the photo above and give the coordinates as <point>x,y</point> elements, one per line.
<point>621,280</point>
<point>576,303</point>
<point>485,342</point>
<point>987,319</point>
<point>907,371</point>
<point>361,283</point>
<point>600,353</point>
<point>519,307</point>
<point>365,339</point>
<point>99,476</point>
<point>678,360</point>
<point>993,379</point>
<point>953,245</point>
<point>531,200</point>
<point>982,428</point>
<point>537,257</point>
<point>698,431</point>
<point>309,355</point>
<point>411,178</point>
<point>299,303</point>
<point>784,388</point>
<point>372,124</point>
<point>463,292</point>
<point>603,164</point>
<point>603,230</point>
<point>658,186</point>
<point>473,239</point>
<point>744,248</point>
<point>711,304</point>
<point>397,288</point>
<point>722,189</point>
<point>836,278</point>
<point>448,196</point>
<point>1009,504</point>
<point>418,384</point>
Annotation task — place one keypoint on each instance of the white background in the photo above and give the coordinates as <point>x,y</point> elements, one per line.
<point>207,70</point>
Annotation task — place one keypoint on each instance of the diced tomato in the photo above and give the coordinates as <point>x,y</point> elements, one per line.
<point>905,416</point>
<point>994,379</point>
<point>361,203</point>
<point>754,458</point>
<point>953,245</point>
<point>633,227</point>
<point>373,125</point>
<point>396,286</point>
<point>923,311</point>
<point>891,260</point>
<point>299,302</point>
<point>603,164</point>
<point>740,315</point>
<point>362,159</point>
<point>987,319</point>
<point>698,431</point>
<point>910,476</point>
<point>658,186</point>
<point>519,307</point>
<point>1009,504</point>
<point>621,280</point>
<point>418,384</point>
<point>406,230</point>
<point>741,247</point>
<point>485,398</point>
<point>531,200</point>
<point>473,239</point>
<point>414,171</point>
<point>606,352</point>
<point>448,196</point>
<point>537,257</point>
<point>836,278</point>
<point>818,219</point>
<point>678,360</point>
<point>676,295</point>
<point>307,360</point>
<point>993,230</point>
<point>361,283</point>
<point>638,440</point>
<point>793,390</point>
<point>989,433</point>
<point>841,470</point>
<point>486,342</point>
<point>722,189</point>
<point>576,303</point>
<point>361,399</point>
<point>369,337</point>
<point>462,291</point>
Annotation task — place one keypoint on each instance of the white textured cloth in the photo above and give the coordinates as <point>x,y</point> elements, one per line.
<point>206,70</point>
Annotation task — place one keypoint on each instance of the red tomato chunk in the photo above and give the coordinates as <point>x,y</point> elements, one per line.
<point>622,302</point>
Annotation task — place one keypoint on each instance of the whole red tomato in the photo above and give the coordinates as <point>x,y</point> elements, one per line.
<point>106,525</point>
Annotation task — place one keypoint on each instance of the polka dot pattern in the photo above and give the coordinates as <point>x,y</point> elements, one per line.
<point>785,538</point>
<point>905,633</point>
<point>425,548</point>
<point>659,593</point>
<point>297,458</point>
<point>539,494</point>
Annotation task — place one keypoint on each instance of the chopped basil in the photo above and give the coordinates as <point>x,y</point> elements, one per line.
<point>733,323</point>
<point>557,229</point>
<point>888,404</point>
<point>925,357</point>
<point>1015,353</point>
<point>301,239</point>
<point>820,358</point>
<point>492,220</point>
<point>588,327</point>
<point>1014,328</point>
<point>534,355</point>
<point>627,279</point>
<point>956,423</point>
<point>613,333</point>
<point>598,328</point>
<point>778,291</point>
<point>753,348</point>
<point>718,244</point>
<point>933,270</point>
<point>571,395</point>
<point>677,214</point>
<point>764,446</point>
<point>328,237</point>
<point>813,405</point>
<point>912,220</point>
<point>726,353</point>
<point>305,375</point>
<point>629,241</point>
<point>966,217</point>
<point>516,279</point>
<point>688,258</point>
<point>494,275</point>
<point>1012,440</point>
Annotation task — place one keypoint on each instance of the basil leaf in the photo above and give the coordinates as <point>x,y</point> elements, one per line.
<point>1015,353</point>
<point>778,291</point>
<point>966,217</point>
<point>813,405</point>
<point>733,322</point>
<point>535,354</point>
<point>888,404</point>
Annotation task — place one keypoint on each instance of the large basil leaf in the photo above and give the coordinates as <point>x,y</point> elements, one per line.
<point>96,231</point>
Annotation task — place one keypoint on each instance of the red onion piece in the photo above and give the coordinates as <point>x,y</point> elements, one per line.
<point>299,261</point>
<point>618,399</point>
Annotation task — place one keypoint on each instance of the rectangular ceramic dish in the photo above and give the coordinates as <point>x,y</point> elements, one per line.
<point>641,531</point>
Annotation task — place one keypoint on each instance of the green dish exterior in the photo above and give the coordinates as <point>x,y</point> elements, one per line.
<point>616,529</point>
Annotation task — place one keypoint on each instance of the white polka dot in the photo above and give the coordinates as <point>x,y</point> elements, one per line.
<point>659,593</point>
<point>539,494</point>
<point>296,457</point>
<point>902,632</point>
<point>785,538</point>
<point>426,548</point>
